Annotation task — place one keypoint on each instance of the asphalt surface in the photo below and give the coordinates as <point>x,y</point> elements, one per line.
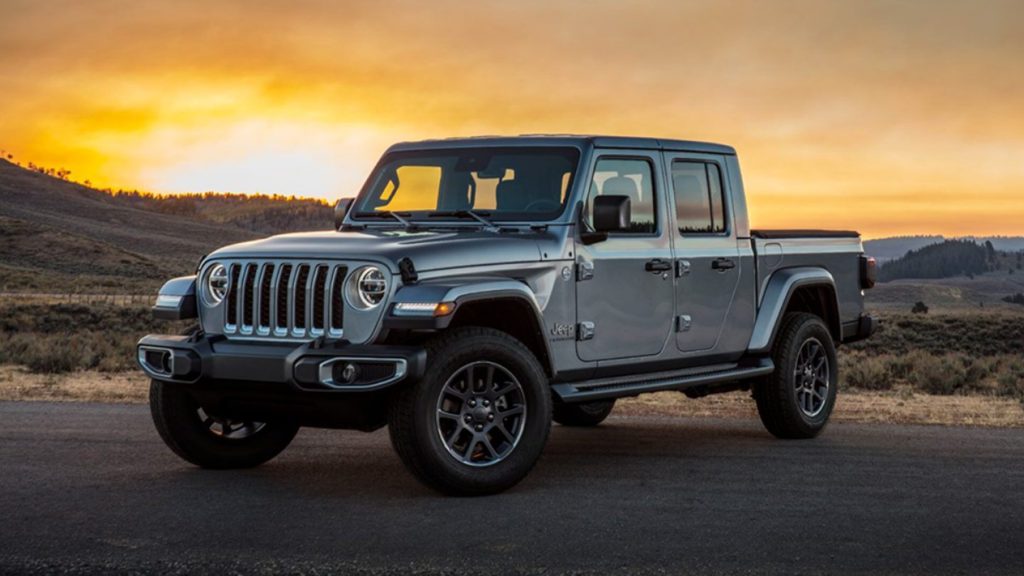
<point>88,488</point>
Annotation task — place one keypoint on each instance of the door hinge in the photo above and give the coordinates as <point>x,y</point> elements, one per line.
<point>584,271</point>
<point>682,268</point>
<point>585,331</point>
<point>683,323</point>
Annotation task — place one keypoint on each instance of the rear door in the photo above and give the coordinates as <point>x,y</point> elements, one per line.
<point>624,284</point>
<point>706,250</point>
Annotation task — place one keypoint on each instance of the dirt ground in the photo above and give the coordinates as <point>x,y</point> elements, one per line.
<point>900,406</point>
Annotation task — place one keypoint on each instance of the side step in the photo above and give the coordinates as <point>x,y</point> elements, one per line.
<point>619,386</point>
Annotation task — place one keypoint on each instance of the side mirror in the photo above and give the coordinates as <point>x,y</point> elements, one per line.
<point>341,208</point>
<point>611,213</point>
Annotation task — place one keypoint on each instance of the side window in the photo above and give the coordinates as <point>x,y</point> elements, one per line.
<point>700,207</point>
<point>631,178</point>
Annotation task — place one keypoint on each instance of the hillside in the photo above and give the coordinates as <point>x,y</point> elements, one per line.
<point>58,236</point>
<point>943,260</point>
<point>886,249</point>
<point>257,213</point>
<point>950,275</point>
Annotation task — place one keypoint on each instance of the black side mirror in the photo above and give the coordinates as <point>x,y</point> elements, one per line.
<point>611,213</point>
<point>341,208</point>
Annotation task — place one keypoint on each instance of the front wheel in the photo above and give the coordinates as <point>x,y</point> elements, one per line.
<point>478,420</point>
<point>210,441</point>
<point>797,399</point>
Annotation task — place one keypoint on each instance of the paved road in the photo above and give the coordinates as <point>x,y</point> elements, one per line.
<point>90,488</point>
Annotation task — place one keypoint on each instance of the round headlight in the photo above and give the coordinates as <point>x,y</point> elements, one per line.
<point>368,286</point>
<point>216,285</point>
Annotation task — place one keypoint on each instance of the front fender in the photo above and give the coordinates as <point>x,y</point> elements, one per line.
<point>458,292</point>
<point>777,294</point>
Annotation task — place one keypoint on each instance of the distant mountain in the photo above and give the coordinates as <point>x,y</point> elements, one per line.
<point>944,260</point>
<point>59,236</point>
<point>885,249</point>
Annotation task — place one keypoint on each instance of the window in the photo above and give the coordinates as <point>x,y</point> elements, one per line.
<point>630,178</point>
<point>700,207</point>
<point>502,183</point>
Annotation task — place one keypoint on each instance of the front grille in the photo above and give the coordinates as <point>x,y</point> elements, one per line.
<point>285,299</point>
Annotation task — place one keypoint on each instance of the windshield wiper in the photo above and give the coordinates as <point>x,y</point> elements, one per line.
<point>478,216</point>
<point>396,215</point>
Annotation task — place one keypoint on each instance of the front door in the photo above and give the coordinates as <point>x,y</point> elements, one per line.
<point>707,253</point>
<point>624,285</point>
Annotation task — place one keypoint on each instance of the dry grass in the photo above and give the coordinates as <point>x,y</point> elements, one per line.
<point>901,406</point>
<point>17,383</point>
<point>895,407</point>
<point>958,368</point>
<point>63,337</point>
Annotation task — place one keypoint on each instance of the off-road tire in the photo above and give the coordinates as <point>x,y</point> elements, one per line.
<point>412,414</point>
<point>776,395</point>
<point>584,414</point>
<point>175,414</point>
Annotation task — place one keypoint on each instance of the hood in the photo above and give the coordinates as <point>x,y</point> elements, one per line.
<point>428,250</point>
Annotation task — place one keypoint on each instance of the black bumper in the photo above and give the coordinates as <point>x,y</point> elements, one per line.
<point>331,366</point>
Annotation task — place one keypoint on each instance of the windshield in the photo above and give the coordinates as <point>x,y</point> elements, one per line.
<point>496,183</point>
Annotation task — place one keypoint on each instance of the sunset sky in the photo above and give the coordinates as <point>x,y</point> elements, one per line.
<point>890,117</point>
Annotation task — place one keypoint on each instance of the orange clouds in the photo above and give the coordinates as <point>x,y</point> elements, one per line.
<point>889,117</point>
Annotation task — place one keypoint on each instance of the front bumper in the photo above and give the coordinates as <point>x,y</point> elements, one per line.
<point>317,366</point>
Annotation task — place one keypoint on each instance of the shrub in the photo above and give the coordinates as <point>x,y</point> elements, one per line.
<point>66,337</point>
<point>866,372</point>
<point>942,375</point>
<point>1010,382</point>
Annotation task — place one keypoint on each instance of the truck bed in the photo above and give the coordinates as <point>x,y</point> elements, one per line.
<point>837,251</point>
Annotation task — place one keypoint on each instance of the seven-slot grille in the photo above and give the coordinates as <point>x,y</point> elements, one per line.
<point>285,299</point>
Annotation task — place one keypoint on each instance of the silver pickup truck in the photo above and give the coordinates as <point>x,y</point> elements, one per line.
<point>477,289</point>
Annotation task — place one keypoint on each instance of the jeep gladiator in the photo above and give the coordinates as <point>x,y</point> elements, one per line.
<point>478,288</point>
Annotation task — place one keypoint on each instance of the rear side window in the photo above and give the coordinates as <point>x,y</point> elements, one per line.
<point>630,178</point>
<point>700,206</point>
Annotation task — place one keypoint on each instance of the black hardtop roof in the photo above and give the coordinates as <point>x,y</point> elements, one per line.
<point>568,140</point>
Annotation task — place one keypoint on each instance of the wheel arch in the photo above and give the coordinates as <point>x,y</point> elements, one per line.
<point>511,313</point>
<point>506,305</point>
<point>803,289</point>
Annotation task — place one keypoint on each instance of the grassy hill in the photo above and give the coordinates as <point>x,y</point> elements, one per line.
<point>886,249</point>
<point>58,236</point>
<point>952,258</point>
<point>952,274</point>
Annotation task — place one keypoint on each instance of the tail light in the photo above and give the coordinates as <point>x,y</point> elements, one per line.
<point>868,271</point>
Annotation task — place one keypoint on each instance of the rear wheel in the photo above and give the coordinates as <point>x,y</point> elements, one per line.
<point>477,421</point>
<point>797,399</point>
<point>583,414</point>
<point>212,441</point>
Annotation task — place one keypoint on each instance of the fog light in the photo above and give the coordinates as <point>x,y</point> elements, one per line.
<point>157,360</point>
<point>349,373</point>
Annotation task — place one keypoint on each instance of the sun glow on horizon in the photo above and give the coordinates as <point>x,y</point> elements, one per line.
<point>268,157</point>
<point>889,118</point>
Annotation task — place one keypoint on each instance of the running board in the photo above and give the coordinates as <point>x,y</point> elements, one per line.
<point>619,386</point>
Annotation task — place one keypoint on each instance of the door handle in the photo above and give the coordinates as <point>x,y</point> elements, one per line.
<point>722,264</point>
<point>658,266</point>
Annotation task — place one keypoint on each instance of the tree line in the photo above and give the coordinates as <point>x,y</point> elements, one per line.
<point>948,259</point>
